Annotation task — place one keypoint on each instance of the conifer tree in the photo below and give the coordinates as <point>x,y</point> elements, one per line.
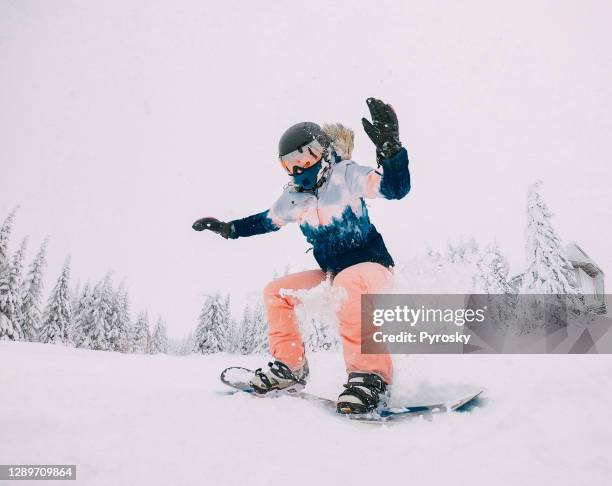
<point>98,323</point>
<point>7,329</point>
<point>210,333</point>
<point>242,338</point>
<point>57,320</point>
<point>15,289</point>
<point>494,270</point>
<point>5,235</point>
<point>141,334</point>
<point>259,329</point>
<point>159,339</point>
<point>32,295</point>
<point>549,270</point>
<point>83,316</point>
<point>119,321</point>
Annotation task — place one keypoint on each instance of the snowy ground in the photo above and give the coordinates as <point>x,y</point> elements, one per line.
<point>157,420</point>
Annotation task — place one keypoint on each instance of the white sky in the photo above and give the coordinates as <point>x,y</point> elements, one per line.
<point>122,122</point>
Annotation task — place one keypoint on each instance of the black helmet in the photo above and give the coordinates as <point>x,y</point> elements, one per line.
<point>299,135</point>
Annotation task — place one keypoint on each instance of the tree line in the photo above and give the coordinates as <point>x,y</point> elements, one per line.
<point>93,317</point>
<point>98,316</point>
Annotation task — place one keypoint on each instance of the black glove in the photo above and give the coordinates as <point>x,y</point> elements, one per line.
<point>384,129</point>
<point>214,225</point>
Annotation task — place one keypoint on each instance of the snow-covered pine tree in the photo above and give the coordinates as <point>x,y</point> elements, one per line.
<point>76,294</point>
<point>549,270</point>
<point>106,307</point>
<point>57,320</point>
<point>125,321</point>
<point>120,318</point>
<point>5,235</point>
<point>141,334</point>
<point>251,331</point>
<point>210,333</point>
<point>492,280</point>
<point>494,271</point>
<point>15,289</point>
<point>83,316</point>
<point>242,338</point>
<point>112,320</point>
<point>259,326</point>
<point>159,339</point>
<point>7,330</point>
<point>32,295</point>
<point>99,317</point>
<point>234,337</point>
<point>224,331</point>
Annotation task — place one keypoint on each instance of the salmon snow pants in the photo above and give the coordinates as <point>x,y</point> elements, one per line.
<point>284,335</point>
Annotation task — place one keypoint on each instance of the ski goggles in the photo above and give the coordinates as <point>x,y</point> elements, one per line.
<point>303,158</point>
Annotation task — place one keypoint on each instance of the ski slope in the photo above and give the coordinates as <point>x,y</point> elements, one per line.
<point>158,420</point>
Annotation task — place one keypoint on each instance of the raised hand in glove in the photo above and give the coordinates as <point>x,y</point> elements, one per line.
<point>383,130</point>
<point>214,225</point>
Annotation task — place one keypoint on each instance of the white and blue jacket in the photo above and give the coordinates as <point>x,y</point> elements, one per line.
<point>334,218</point>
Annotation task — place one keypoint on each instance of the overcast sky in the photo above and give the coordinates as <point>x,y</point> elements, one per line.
<point>123,122</point>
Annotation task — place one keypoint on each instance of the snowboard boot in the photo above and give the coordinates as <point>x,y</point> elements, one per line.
<point>279,378</point>
<point>365,393</point>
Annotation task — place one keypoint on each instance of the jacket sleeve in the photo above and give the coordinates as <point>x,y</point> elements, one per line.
<point>256,224</point>
<point>393,182</point>
<point>267,221</point>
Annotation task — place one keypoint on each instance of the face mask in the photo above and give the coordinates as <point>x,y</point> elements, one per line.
<point>303,157</point>
<point>306,179</point>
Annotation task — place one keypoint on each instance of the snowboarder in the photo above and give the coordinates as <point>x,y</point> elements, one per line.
<point>326,198</point>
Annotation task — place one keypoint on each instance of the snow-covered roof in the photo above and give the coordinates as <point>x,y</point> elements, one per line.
<point>579,258</point>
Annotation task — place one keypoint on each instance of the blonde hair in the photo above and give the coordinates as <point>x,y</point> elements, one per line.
<point>342,139</point>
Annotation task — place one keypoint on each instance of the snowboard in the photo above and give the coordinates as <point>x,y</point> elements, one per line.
<point>238,379</point>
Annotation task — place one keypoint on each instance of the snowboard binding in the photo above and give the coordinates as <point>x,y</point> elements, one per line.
<point>364,393</point>
<point>279,378</point>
